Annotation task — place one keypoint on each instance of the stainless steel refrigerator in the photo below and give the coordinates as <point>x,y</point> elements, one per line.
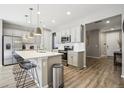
<point>10,44</point>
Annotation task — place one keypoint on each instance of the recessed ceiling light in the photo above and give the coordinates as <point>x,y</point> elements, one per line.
<point>44,26</point>
<point>68,13</point>
<point>107,21</point>
<point>112,28</point>
<point>53,21</point>
<point>38,12</point>
<point>29,22</point>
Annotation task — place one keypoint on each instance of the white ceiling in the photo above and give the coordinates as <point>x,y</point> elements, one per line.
<point>115,23</point>
<point>15,12</point>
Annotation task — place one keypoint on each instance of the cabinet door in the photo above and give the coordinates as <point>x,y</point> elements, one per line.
<point>72,35</point>
<point>70,59</point>
<point>42,71</point>
<point>63,33</point>
<point>67,32</point>
<point>75,59</point>
<point>59,37</point>
<point>78,34</point>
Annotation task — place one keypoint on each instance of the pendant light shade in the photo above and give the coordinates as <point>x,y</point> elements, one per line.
<point>38,31</point>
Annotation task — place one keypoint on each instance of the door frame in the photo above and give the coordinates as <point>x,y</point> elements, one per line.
<point>122,27</point>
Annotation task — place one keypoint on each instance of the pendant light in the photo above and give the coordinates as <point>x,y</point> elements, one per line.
<point>38,29</point>
<point>31,34</point>
<point>25,37</point>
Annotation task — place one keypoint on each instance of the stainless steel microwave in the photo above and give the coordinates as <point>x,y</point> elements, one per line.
<point>66,39</point>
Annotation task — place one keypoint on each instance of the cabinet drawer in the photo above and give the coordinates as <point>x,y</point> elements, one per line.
<point>70,59</point>
<point>75,59</point>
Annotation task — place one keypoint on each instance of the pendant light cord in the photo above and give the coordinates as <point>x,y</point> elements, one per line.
<point>37,15</point>
<point>26,16</point>
<point>31,9</point>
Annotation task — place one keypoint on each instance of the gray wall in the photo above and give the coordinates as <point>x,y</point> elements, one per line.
<point>93,45</point>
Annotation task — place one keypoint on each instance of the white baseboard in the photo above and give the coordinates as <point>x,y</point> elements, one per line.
<point>93,57</point>
<point>122,76</point>
<point>103,55</point>
<point>84,66</point>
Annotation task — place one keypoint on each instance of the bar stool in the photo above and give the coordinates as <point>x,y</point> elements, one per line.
<point>26,66</point>
<point>17,69</point>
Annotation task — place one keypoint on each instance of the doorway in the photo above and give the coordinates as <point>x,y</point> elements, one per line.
<point>112,42</point>
<point>103,39</point>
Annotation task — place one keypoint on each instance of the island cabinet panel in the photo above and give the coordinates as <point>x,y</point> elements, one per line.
<point>42,69</point>
<point>44,62</point>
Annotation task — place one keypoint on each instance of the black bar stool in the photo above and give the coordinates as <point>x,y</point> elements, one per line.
<point>26,66</point>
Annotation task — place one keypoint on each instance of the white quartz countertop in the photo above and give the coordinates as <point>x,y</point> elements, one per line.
<point>35,54</point>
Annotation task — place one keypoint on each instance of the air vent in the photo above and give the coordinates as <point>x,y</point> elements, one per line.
<point>98,21</point>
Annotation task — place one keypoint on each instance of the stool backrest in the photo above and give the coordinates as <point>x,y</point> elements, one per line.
<point>18,58</point>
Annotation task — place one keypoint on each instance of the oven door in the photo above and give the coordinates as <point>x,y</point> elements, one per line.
<point>64,57</point>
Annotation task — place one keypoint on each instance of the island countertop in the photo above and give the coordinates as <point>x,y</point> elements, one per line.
<point>35,54</point>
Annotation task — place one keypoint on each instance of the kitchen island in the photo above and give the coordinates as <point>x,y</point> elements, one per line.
<point>44,61</point>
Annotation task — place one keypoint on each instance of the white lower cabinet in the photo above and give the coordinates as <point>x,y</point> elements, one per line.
<point>76,59</point>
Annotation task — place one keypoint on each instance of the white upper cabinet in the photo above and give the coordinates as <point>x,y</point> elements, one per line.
<point>78,34</point>
<point>63,32</point>
<point>59,37</point>
<point>68,32</point>
<point>72,31</point>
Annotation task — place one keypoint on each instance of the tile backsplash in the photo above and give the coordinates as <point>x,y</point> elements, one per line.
<point>76,46</point>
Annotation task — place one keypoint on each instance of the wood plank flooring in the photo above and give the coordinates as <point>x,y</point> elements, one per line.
<point>8,78</point>
<point>99,73</point>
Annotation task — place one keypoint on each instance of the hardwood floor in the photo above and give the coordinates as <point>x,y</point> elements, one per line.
<point>8,78</point>
<point>99,73</point>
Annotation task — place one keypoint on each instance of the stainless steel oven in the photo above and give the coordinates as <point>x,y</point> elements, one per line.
<point>65,54</point>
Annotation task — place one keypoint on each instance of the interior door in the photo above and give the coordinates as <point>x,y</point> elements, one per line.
<point>112,42</point>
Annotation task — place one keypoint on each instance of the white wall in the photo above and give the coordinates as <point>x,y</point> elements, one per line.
<point>14,32</point>
<point>1,27</point>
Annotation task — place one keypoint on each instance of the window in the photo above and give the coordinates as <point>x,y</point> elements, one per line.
<point>54,39</point>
